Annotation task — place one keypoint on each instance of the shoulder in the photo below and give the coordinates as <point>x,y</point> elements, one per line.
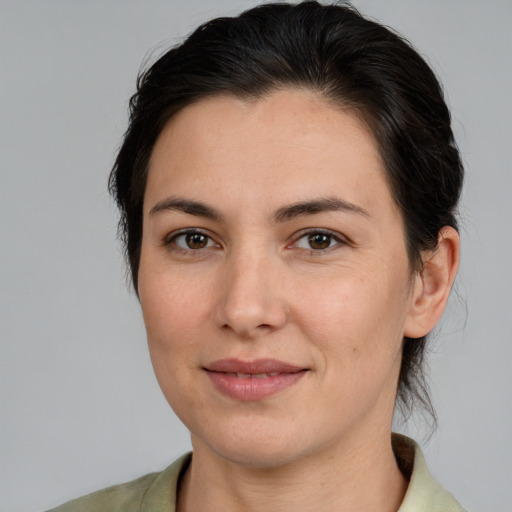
<point>424,493</point>
<point>155,492</point>
<point>123,497</point>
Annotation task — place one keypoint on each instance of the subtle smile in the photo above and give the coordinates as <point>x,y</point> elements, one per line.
<point>255,380</point>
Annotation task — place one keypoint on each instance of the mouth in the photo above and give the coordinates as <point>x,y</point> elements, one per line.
<point>254,380</point>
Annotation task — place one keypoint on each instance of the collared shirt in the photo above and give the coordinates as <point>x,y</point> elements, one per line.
<point>156,492</point>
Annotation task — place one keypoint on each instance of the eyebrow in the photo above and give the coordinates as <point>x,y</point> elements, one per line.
<point>328,204</point>
<point>284,214</point>
<point>186,206</point>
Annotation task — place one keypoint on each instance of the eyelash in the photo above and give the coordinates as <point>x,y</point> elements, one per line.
<point>333,240</point>
<point>171,240</point>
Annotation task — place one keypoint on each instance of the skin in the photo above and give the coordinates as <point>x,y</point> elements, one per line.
<point>255,287</point>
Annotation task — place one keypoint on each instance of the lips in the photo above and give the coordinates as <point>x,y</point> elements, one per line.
<point>254,380</point>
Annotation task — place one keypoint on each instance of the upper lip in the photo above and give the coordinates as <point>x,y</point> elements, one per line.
<point>257,366</point>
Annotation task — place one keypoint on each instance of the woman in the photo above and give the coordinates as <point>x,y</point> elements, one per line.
<point>288,187</point>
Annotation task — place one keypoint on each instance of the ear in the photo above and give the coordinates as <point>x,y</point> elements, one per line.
<point>433,284</point>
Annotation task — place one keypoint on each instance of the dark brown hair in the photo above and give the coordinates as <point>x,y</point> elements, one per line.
<point>350,61</point>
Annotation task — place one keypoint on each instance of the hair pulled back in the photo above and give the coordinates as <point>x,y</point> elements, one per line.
<point>350,61</point>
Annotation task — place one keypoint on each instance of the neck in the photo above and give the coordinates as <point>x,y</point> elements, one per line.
<point>366,477</point>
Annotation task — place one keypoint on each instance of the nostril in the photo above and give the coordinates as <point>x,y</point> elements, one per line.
<point>249,302</point>
<point>251,322</point>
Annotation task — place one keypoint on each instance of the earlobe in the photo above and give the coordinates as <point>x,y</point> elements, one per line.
<point>433,284</point>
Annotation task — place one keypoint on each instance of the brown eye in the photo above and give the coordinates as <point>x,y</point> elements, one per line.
<point>196,240</point>
<point>192,241</point>
<point>319,241</point>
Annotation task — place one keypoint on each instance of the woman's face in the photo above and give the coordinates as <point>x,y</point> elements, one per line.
<point>274,278</point>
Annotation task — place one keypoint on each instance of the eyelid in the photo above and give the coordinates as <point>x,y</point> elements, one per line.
<point>338,237</point>
<point>171,237</point>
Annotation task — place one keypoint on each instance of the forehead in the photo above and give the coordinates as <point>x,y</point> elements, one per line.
<point>282,146</point>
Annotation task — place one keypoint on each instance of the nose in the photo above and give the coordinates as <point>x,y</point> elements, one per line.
<point>251,302</point>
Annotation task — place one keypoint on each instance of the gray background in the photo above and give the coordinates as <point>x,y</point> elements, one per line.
<point>80,408</point>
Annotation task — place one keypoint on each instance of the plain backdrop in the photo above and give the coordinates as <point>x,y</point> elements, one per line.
<point>80,407</point>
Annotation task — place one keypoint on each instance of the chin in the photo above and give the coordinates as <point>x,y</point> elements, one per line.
<point>257,457</point>
<point>260,448</point>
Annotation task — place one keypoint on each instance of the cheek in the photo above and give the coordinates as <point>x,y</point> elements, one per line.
<point>173,318</point>
<point>173,305</point>
<point>171,323</point>
<point>357,319</point>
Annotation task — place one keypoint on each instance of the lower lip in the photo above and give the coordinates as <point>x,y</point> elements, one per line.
<point>252,388</point>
